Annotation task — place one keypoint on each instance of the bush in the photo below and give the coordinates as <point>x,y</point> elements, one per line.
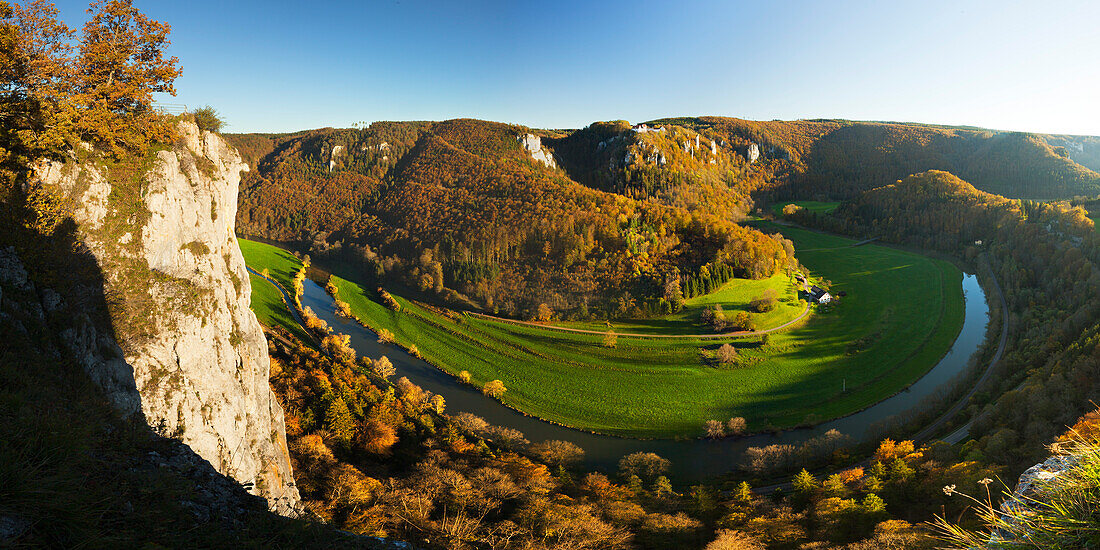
<point>765,302</point>
<point>727,354</point>
<point>208,119</point>
<point>494,389</point>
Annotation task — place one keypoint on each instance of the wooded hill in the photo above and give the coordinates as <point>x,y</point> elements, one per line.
<point>838,159</point>
<point>458,210</point>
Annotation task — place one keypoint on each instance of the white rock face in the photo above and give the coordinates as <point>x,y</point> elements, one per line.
<point>336,150</point>
<point>1029,492</point>
<point>203,375</point>
<point>533,145</point>
<point>753,153</point>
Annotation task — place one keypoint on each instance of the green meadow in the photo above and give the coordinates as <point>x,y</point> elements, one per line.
<point>733,296</point>
<point>267,302</point>
<point>901,314</point>
<point>813,206</point>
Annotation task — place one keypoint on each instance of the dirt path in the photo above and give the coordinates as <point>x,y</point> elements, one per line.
<point>735,334</point>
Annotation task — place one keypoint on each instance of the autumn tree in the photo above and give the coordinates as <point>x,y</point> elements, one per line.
<point>35,113</point>
<point>494,389</point>
<point>385,337</point>
<point>120,65</point>
<point>743,321</point>
<point>375,436</point>
<point>383,368</point>
<point>727,354</point>
<point>644,465</point>
<point>736,425</point>
<point>338,420</point>
<point>557,453</point>
<point>804,482</point>
<point>734,540</point>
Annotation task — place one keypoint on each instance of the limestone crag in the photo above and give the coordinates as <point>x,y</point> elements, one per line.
<point>193,359</point>
<point>1029,490</point>
<point>533,145</point>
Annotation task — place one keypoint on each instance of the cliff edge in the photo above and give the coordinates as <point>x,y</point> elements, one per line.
<point>184,350</point>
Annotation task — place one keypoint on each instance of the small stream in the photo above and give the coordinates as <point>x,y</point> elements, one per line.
<point>694,459</point>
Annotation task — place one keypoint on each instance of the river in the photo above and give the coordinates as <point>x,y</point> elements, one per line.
<point>692,459</point>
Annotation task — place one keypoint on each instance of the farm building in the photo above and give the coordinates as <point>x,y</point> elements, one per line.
<point>820,295</point>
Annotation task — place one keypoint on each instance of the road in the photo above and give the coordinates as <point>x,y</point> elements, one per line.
<point>963,431</point>
<point>805,311</point>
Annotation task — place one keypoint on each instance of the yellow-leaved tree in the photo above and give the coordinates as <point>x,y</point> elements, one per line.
<point>120,64</point>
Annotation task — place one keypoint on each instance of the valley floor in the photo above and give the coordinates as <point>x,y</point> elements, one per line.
<point>902,313</point>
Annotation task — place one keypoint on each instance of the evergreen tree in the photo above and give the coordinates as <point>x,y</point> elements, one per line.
<point>338,420</point>
<point>804,482</point>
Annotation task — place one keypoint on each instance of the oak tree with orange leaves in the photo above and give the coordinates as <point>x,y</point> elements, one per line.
<point>120,64</point>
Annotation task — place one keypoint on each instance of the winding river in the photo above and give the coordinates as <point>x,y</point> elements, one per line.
<point>694,459</point>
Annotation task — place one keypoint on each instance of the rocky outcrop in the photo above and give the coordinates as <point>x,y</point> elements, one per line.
<point>533,145</point>
<point>184,349</point>
<point>753,153</point>
<point>1030,490</point>
<point>336,150</point>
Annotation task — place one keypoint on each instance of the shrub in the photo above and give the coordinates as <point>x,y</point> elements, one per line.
<point>385,336</point>
<point>714,429</point>
<point>610,339</point>
<point>736,425</point>
<point>727,354</point>
<point>494,389</point>
<point>208,119</point>
<point>765,302</point>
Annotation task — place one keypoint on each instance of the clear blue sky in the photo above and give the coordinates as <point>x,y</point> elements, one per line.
<point>280,65</point>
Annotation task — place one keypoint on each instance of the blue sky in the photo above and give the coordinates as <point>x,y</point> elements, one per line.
<point>282,65</point>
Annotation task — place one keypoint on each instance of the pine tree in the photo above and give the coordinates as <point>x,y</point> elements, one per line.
<point>804,482</point>
<point>338,420</point>
<point>743,493</point>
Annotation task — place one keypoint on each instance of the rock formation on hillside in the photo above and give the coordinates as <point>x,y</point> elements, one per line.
<point>185,350</point>
<point>533,145</point>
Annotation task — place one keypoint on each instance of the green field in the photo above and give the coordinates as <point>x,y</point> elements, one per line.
<point>902,313</point>
<point>813,206</point>
<point>266,300</point>
<point>1096,221</point>
<point>733,296</point>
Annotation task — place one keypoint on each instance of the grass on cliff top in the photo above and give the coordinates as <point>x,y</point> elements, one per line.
<point>902,314</point>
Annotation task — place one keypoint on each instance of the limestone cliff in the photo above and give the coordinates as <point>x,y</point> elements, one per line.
<point>184,349</point>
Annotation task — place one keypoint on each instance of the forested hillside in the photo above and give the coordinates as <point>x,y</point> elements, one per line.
<point>605,221</point>
<point>1047,260</point>
<point>460,211</point>
<point>838,159</point>
<point>1084,150</point>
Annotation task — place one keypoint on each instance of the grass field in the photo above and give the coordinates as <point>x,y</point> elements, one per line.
<point>812,206</point>
<point>266,300</point>
<point>1095,217</point>
<point>733,296</point>
<point>902,313</point>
